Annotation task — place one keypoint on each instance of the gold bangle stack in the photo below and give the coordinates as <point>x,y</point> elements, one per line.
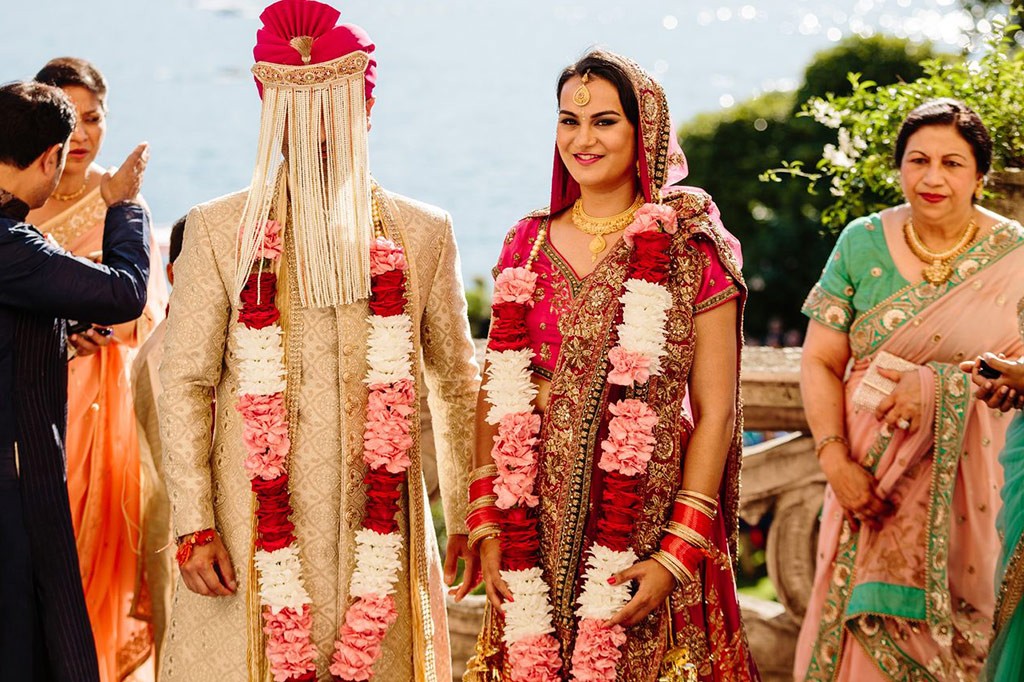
<point>689,535</point>
<point>702,503</point>
<point>483,472</point>
<point>672,565</point>
<point>484,532</point>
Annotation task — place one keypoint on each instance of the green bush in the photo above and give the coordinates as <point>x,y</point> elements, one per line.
<point>856,168</point>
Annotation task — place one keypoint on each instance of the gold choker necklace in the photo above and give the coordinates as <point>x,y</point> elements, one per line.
<point>73,195</point>
<point>599,227</point>
<point>940,269</point>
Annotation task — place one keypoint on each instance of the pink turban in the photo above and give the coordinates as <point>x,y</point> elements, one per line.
<point>287,20</point>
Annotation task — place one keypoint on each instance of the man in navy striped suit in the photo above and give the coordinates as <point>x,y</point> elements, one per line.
<point>44,628</point>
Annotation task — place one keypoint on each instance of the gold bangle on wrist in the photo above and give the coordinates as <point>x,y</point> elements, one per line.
<point>482,502</point>
<point>827,440</point>
<point>481,533</point>
<point>697,504</point>
<point>672,565</point>
<point>483,472</point>
<point>687,534</point>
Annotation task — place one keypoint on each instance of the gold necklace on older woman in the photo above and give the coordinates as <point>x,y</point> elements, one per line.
<point>599,227</point>
<point>941,262</point>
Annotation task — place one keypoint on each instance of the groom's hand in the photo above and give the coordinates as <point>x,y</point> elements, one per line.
<point>458,547</point>
<point>208,571</point>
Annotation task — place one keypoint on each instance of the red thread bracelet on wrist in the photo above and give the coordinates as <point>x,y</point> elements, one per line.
<point>187,543</point>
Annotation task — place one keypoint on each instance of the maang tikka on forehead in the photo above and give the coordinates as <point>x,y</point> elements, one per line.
<point>581,97</point>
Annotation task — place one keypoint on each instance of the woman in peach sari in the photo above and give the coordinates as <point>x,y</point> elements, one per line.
<point>908,544</point>
<point>104,482</point>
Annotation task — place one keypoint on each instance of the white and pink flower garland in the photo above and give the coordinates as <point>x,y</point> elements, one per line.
<point>629,444</point>
<point>533,651</point>
<point>261,384</point>
<point>387,440</point>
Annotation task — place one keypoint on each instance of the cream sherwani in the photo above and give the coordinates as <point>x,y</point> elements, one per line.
<point>217,639</point>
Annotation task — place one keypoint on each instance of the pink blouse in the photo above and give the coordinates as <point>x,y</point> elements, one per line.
<point>558,285</point>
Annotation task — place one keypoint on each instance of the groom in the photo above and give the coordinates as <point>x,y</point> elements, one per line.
<point>302,380</point>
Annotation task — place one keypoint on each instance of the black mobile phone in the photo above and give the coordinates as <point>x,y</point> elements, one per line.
<point>988,371</point>
<point>78,327</point>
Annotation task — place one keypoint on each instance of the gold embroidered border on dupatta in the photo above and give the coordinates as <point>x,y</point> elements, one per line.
<point>73,223</point>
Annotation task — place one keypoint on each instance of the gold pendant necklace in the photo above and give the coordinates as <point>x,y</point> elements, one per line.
<point>599,227</point>
<point>939,266</point>
<point>73,195</point>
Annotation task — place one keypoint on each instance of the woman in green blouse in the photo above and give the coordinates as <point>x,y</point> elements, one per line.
<point>908,546</point>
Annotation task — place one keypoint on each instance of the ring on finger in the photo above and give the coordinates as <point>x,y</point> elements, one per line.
<point>903,424</point>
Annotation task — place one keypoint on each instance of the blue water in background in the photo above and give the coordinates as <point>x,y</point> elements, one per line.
<point>465,109</point>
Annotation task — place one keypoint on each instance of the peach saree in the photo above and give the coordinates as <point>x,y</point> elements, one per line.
<point>914,600</point>
<point>104,480</point>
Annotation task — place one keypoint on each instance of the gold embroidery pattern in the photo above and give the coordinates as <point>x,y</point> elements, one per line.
<point>1012,588</point>
<point>892,661</point>
<point>870,329</point>
<point>714,301</point>
<point>828,309</point>
<point>71,225</point>
<point>349,65</point>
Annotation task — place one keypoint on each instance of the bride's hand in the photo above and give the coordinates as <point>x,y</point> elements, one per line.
<point>490,565</point>
<point>654,585</point>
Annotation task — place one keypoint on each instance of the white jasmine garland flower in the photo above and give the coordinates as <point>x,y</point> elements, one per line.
<point>389,349</point>
<point>280,575</point>
<point>645,308</point>
<point>598,599</point>
<point>509,389</point>
<point>261,369</point>
<point>530,613</point>
<point>377,563</point>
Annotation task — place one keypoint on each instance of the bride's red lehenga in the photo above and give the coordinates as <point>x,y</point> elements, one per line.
<point>571,324</point>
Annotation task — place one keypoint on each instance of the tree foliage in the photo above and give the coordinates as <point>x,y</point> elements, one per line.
<point>779,224</point>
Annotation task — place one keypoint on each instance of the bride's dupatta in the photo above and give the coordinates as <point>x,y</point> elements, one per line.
<point>917,595</point>
<point>700,633</point>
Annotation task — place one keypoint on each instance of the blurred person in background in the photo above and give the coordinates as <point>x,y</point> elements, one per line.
<point>45,632</point>
<point>104,480</point>
<point>155,528</point>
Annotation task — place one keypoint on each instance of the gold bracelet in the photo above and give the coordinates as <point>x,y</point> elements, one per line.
<point>481,533</point>
<point>826,441</point>
<point>687,534</point>
<point>699,496</point>
<point>699,505</point>
<point>672,565</point>
<point>483,472</point>
<point>481,503</point>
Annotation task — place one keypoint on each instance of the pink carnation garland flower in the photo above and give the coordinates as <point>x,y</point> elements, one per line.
<point>290,650</point>
<point>535,658</point>
<point>273,244</point>
<point>630,442</point>
<point>597,652</point>
<point>650,218</point>
<point>515,285</point>
<point>359,642</point>
<point>385,256</point>
<point>628,367</point>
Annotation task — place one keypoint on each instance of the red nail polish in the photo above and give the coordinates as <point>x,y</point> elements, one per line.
<point>611,580</point>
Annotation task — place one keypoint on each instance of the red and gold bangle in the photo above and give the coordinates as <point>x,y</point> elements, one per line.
<point>186,543</point>
<point>483,516</point>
